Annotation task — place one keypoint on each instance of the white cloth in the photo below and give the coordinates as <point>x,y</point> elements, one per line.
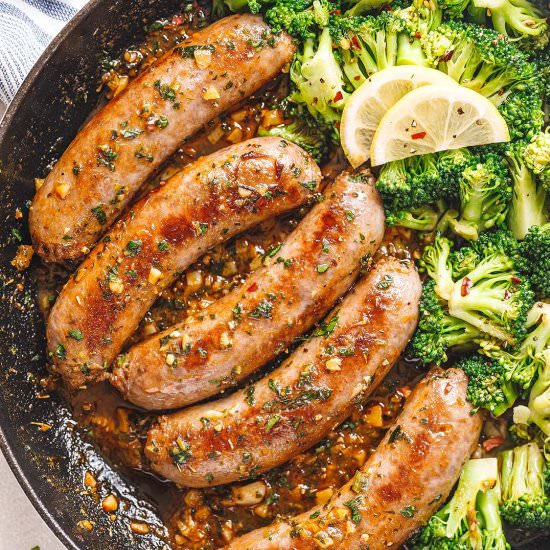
<point>26,28</point>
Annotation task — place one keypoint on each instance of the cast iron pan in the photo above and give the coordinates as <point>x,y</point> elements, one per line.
<point>51,105</point>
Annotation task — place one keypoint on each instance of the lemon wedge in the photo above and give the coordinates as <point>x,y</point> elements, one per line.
<point>436,118</point>
<point>370,102</point>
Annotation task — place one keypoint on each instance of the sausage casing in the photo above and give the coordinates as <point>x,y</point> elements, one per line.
<point>253,323</point>
<point>400,486</point>
<point>214,198</point>
<point>295,406</point>
<point>125,142</point>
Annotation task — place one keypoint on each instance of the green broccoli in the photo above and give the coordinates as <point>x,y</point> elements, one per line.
<point>537,411</point>
<point>305,133</point>
<point>471,519</point>
<point>413,182</point>
<point>454,8</point>
<point>522,111</point>
<point>437,331</point>
<point>492,296</point>
<point>436,262</point>
<point>370,44</point>
<point>537,156</point>
<point>534,258</point>
<point>358,7</point>
<point>488,386</point>
<point>525,502</point>
<point>318,80</point>
<point>528,206</point>
<point>522,364</point>
<point>514,18</point>
<point>421,218</point>
<point>421,17</point>
<point>480,59</point>
<point>300,18</point>
<point>485,194</point>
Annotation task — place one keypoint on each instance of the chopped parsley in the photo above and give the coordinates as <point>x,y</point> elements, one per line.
<point>161,122</point>
<point>133,248</point>
<point>76,334</point>
<point>106,157</point>
<point>386,282</point>
<point>272,422</point>
<point>166,92</point>
<point>163,246</point>
<point>408,511</point>
<point>249,392</point>
<point>60,351</point>
<point>180,451</point>
<point>130,133</point>
<point>326,329</point>
<point>99,214</point>
<point>263,309</point>
<point>189,51</point>
<point>353,506</point>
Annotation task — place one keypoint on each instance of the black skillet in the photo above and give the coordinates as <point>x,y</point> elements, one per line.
<point>50,465</point>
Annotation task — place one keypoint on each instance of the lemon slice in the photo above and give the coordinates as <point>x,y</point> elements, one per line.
<point>369,103</point>
<point>436,118</point>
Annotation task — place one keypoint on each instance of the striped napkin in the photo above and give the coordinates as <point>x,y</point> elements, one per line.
<point>26,28</point>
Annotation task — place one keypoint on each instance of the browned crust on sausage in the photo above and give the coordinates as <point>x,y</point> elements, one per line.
<point>208,202</point>
<point>311,392</point>
<point>413,470</point>
<point>253,323</point>
<point>245,56</point>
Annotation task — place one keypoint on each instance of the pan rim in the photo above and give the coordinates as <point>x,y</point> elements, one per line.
<point>5,122</point>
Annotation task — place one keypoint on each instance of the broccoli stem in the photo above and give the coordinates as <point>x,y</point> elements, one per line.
<point>528,202</point>
<point>410,52</point>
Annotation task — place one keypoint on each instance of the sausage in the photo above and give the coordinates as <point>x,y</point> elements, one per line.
<point>295,406</point>
<point>400,486</point>
<point>211,200</point>
<point>254,322</point>
<point>125,142</point>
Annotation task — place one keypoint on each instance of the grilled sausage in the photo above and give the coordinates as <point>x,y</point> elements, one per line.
<point>216,197</point>
<point>253,323</point>
<point>295,406</point>
<point>134,133</point>
<point>401,485</point>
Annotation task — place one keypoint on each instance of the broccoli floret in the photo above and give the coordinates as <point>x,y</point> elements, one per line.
<point>305,133</point>
<point>537,156</point>
<point>522,365</point>
<point>358,7</point>
<point>471,519</point>
<point>454,8</point>
<point>528,196</point>
<point>300,18</point>
<point>492,296</point>
<point>413,182</point>
<point>514,18</point>
<point>534,258</point>
<point>488,386</point>
<point>485,194</point>
<point>437,331</point>
<point>478,58</point>
<point>370,44</point>
<point>522,111</point>
<point>436,262</point>
<point>421,17</point>
<point>537,411</point>
<point>254,6</point>
<point>525,503</point>
<point>318,79</point>
<point>421,218</point>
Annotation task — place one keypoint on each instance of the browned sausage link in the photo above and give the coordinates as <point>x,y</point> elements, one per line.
<point>295,406</point>
<point>401,485</point>
<point>214,198</point>
<point>135,132</point>
<point>253,323</point>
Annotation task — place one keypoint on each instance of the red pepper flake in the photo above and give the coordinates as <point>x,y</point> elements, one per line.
<point>460,111</point>
<point>253,287</point>
<point>516,280</point>
<point>177,20</point>
<point>447,56</point>
<point>338,97</point>
<point>466,286</point>
<point>492,443</point>
<point>334,12</point>
<point>418,34</point>
<point>358,77</point>
<point>507,294</point>
<point>419,135</point>
<point>355,43</point>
